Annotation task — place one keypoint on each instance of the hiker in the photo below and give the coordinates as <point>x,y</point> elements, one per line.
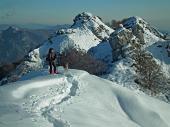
<point>51,58</point>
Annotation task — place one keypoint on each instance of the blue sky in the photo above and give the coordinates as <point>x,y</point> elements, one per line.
<point>54,12</point>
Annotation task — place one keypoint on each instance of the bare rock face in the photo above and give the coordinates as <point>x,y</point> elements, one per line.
<point>139,33</point>
<point>133,30</point>
<point>139,25</point>
<point>118,40</point>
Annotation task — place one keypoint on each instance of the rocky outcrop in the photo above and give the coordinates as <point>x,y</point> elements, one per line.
<point>66,31</point>
<point>140,27</point>
<point>139,33</point>
<point>133,30</point>
<point>118,40</point>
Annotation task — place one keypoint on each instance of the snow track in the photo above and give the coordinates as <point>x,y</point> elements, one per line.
<point>41,98</point>
<point>49,107</point>
<point>78,99</point>
<point>48,111</point>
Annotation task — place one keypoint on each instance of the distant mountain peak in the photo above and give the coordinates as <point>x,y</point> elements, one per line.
<point>83,17</point>
<point>12,29</point>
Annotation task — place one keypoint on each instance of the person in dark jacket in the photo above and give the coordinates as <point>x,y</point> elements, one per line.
<point>51,58</point>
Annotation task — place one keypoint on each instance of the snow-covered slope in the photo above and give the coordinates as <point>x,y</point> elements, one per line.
<point>80,38</point>
<point>160,53</point>
<point>77,99</point>
<point>103,52</point>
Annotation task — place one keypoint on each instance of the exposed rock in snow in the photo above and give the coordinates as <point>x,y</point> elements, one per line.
<point>119,39</point>
<point>93,23</point>
<point>140,26</point>
<point>133,30</point>
<point>65,31</point>
<point>123,42</point>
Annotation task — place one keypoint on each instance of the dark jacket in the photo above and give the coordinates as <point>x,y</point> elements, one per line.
<point>51,57</point>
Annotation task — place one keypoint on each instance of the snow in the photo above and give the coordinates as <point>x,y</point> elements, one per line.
<point>102,51</point>
<point>77,99</point>
<point>123,74</point>
<point>160,54</point>
<point>150,38</point>
<point>81,38</point>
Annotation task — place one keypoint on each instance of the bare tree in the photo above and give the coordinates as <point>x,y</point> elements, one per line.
<point>149,73</point>
<point>79,59</point>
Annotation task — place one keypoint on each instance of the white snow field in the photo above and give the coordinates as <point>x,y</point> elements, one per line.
<point>77,99</point>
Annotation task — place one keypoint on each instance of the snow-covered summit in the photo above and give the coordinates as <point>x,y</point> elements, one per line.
<point>132,21</point>
<point>140,26</point>
<point>94,23</point>
<point>12,28</point>
<point>86,32</point>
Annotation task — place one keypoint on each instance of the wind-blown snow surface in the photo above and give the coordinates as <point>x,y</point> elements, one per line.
<point>77,99</point>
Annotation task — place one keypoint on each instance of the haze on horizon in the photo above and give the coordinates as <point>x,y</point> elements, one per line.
<point>52,12</point>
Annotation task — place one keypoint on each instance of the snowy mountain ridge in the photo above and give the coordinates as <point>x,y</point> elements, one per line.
<point>75,98</point>
<point>82,34</point>
<point>86,33</point>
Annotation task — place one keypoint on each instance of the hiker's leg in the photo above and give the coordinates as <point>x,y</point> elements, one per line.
<point>55,68</point>
<point>50,64</point>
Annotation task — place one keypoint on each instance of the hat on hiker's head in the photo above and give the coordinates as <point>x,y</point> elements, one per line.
<point>51,50</point>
